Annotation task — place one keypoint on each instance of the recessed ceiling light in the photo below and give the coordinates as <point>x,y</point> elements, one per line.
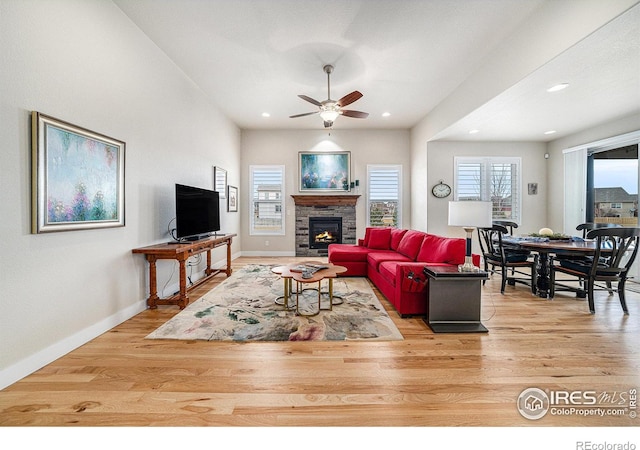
<point>266,114</point>
<point>558,87</point>
<point>474,131</point>
<point>386,114</point>
<point>550,132</point>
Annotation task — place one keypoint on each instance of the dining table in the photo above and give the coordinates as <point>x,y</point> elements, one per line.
<point>544,247</point>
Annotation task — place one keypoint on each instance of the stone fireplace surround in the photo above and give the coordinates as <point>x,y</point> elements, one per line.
<point>323,206</point>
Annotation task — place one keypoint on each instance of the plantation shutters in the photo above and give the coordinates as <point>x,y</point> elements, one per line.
<point>383,195</point>
<point>267,200</point>
<point>494,179</point>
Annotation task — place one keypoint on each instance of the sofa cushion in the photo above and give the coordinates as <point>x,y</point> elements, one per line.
<point>409,245</point>
<point>379,238</point>
<point>439,249</point>
<point>347,253</point>
<point>367,235</point>
<point>375,258</point>
<point>396,237</point>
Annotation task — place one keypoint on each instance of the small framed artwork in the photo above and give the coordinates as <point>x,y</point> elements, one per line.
<point>324,171</point>
<point>232,198</point>
<point>533,188</point>
<point>220,181</point>
<point>77,177</point>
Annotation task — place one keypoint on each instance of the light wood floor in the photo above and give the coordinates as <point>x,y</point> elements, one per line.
<point>121,379</point>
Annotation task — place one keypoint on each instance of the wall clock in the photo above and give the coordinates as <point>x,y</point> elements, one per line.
<point>441,190</point>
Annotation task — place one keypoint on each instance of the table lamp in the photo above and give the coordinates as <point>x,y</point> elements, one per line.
<point>468,215</point>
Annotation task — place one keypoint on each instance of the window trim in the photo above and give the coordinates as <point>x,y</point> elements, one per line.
<point>252,230</point>
<point>372,167</point>
<point>486,162</point>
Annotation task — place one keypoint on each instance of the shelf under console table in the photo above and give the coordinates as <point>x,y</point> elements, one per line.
<point>181,252</point>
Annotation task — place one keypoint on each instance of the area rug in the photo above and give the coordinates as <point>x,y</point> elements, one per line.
<point>243,308</point>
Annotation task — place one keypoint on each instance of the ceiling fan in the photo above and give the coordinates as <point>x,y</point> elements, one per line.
<point>329,109</point>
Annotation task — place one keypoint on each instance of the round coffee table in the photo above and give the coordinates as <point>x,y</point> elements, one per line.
<point>294,272</point>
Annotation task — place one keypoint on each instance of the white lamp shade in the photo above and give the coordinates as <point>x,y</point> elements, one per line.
<point>470,214</point>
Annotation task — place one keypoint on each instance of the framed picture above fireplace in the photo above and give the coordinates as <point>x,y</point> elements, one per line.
<point>324,171</point>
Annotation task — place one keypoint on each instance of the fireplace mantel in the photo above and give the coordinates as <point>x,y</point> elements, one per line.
<point>325,200</point>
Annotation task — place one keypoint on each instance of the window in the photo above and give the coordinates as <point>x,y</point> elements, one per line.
<point>492,179</point>
<point>383,195</point>
<point>267,200</point>
<point>616,206</point>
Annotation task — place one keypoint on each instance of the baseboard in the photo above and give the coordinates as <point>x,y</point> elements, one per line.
<point>46,356</point>
<point>263,253</point>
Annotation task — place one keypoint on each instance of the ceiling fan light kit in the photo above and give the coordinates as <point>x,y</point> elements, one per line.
<point>329,110</point>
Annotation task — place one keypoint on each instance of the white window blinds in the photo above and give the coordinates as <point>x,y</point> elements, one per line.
<point>383,195</point>
<point>267,200</point>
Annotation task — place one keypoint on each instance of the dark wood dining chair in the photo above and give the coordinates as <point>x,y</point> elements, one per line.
<point>496,255</point>
<point>510,226</point>
<point>588,226</point>
<point>585,228</point>
<point>616,250</point>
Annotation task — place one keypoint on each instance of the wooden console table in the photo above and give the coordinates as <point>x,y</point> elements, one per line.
<point>181,252</point>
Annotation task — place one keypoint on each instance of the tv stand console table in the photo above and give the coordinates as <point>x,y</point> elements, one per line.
<point>181,253</point>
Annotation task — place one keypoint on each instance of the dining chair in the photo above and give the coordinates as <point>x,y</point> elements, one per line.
<point>616,250</point>
<point>510,226</point>
<point>585,228</point>
<point>588,226</point>
<point>497,255</point>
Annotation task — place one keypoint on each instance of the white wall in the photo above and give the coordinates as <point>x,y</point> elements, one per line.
<point>440,166</point>
<point>282,147</point>
<point>84,62</point>
<point>540,38</point>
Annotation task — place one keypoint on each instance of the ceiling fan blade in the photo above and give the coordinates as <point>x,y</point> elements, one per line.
<point>304,114</point>
<point>310,100</point>
<point>356,114</point>
<point>349,98</point>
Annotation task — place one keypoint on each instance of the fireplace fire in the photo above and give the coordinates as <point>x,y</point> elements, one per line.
<point>324,231</point>
<point>325,237</point>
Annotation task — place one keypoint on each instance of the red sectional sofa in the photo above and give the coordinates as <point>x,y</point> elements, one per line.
<point>393,260</point>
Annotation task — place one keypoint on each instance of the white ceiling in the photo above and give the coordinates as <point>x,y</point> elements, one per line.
<point>405,56</point>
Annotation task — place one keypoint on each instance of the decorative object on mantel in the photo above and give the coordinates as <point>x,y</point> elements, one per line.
<point>77,177</point>
<point>324,171</point>
<point>242,308</point>
<point>325,200</point>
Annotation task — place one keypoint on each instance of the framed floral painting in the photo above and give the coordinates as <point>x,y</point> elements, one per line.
<point>77,177</point>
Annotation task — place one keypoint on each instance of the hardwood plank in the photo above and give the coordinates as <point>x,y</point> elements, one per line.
<point>122,379</point>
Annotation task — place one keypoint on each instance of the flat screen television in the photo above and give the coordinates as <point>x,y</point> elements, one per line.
<point>197,213</point>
